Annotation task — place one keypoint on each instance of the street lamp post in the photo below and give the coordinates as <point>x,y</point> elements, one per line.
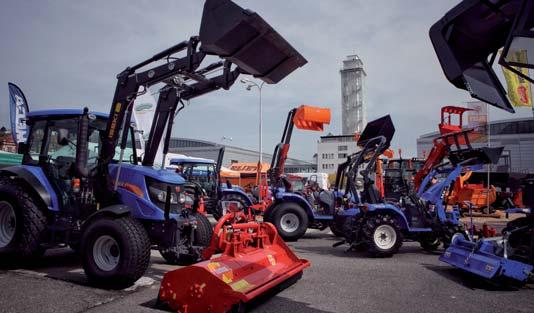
<point>250,85</point>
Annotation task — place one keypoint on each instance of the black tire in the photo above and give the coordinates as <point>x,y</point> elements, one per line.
<point>30,221</point>
<point>217,213</point>
<point>449,231</point>
<point>280,214</point>
<point>430,241</point>
<point>202,233</point>
<point>382,222</point>
<point>335,231</point>
<point>131,243</point>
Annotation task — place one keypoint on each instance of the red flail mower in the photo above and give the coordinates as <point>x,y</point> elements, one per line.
<point>254,260</point>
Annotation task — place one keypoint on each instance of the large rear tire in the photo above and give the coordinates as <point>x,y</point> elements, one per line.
<point>115,251</point>
<point>22,221</point>
<point>290,220</point>
<point>382,235</point>
<point>202,234</point>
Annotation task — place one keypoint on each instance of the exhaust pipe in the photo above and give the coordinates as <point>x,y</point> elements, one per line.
<point>82,149</point>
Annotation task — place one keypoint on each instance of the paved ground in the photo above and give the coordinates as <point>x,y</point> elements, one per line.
<point>411,281</point>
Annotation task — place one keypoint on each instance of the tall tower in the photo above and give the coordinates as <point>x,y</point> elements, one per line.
<point>352,104</point>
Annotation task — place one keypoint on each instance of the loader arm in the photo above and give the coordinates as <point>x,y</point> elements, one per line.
<point>227,31</point>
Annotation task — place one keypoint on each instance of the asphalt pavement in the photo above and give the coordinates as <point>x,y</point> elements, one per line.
<point>337,281</point>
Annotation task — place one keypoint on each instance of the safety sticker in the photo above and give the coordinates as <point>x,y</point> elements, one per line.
<point>271,259</point>
<point>241,286</point>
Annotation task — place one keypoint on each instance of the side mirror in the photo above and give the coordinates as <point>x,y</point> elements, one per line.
<point>23,148</point>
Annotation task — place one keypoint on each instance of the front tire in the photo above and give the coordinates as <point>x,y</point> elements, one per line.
<point>290,220</point>
<point>202,234</point>
<point>115,252</point>
<point>382,235</point>
<point>22,221</point>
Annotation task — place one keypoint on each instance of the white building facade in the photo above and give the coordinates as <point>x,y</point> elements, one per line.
<point>333,150</point>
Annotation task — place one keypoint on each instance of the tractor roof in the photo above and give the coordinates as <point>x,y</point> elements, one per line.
<point>61,112</point>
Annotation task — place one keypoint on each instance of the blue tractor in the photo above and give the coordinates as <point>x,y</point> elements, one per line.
<point>466,54</point>
<point>368,221</point>
<point>206,174</point>
<point>72,189</point>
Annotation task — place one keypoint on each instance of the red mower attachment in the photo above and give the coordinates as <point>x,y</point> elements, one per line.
<point>254,260</point>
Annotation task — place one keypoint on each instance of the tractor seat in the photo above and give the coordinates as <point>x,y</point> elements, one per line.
<point>372,195</point>
<point>327,200</point>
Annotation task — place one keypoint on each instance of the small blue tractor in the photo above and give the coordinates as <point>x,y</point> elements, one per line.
<point>366,220</point>
<point>467,41</point>
<point>206,174</point>
<point>72,189</point>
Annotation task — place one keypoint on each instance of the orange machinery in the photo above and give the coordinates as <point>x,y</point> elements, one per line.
<point>439,151</point>
<point>477,194</point>
<point>254,260</point>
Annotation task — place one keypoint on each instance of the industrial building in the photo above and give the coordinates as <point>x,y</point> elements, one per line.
<point>352,95</point>
<point>333,150</point>
<point>210,150</point>
<point>516,135</point>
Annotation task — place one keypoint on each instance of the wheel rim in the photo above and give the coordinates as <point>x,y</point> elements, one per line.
<point>385,237</point>
<point>289,222</point>
<point>106,253</point>
<point>8,223</point>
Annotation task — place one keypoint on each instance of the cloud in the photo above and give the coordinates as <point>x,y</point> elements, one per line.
<point>67,54</point>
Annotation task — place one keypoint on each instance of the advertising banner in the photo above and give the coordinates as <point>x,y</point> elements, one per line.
<point>18,108</point>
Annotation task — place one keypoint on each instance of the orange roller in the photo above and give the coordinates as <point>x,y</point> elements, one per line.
<point>311,118</point>
<point>254,260</point>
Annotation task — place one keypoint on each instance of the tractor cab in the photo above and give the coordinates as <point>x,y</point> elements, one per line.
<point>197,170</point>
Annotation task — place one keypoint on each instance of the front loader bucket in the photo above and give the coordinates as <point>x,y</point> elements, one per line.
<point>480,258</point>
<point>380,127</point>
<point>471,156</point>
<point>311,118</point>
<point>244,38</point>
<point>245,270</point>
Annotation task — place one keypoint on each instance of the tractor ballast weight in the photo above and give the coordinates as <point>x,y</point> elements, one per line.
<point>244,38</point>
<point>254,260</point>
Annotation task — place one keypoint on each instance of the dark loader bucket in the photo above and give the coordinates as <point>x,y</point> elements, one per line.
<point>244,38</point>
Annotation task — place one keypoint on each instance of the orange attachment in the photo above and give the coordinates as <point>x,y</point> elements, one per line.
<point>311,118</point>
<point>254,260</point>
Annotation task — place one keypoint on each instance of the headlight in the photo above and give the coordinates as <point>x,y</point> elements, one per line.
<point>161,195</point>
<point>159,191</point>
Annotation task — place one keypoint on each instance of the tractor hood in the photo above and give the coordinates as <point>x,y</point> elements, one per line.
<point>466,40</point>
<point>130,172</point>
<point>244,38</point>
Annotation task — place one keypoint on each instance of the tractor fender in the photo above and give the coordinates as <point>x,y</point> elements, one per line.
<point>116,210</point>
<point>36,181</point>
<point>238,192</point>
<point>389,209</point>
<point>282,197</point>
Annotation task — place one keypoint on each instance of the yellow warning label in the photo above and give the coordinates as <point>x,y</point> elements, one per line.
<point>271,259</point>
<point>213,266</point>
<point>241,286</point>
<point>228,277</point>
<point>118,107</point>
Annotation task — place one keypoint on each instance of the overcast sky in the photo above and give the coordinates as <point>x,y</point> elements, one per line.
<point>67,54</point>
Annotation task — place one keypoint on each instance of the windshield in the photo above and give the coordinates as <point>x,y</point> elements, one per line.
<point>201,173</point>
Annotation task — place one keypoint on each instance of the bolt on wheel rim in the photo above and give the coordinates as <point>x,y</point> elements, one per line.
<point>8,223</point>
<point>289,222</point>
<point>385,237</point>
<point>106,253</point>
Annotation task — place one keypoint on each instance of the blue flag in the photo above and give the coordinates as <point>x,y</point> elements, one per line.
<point>18,109</point>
